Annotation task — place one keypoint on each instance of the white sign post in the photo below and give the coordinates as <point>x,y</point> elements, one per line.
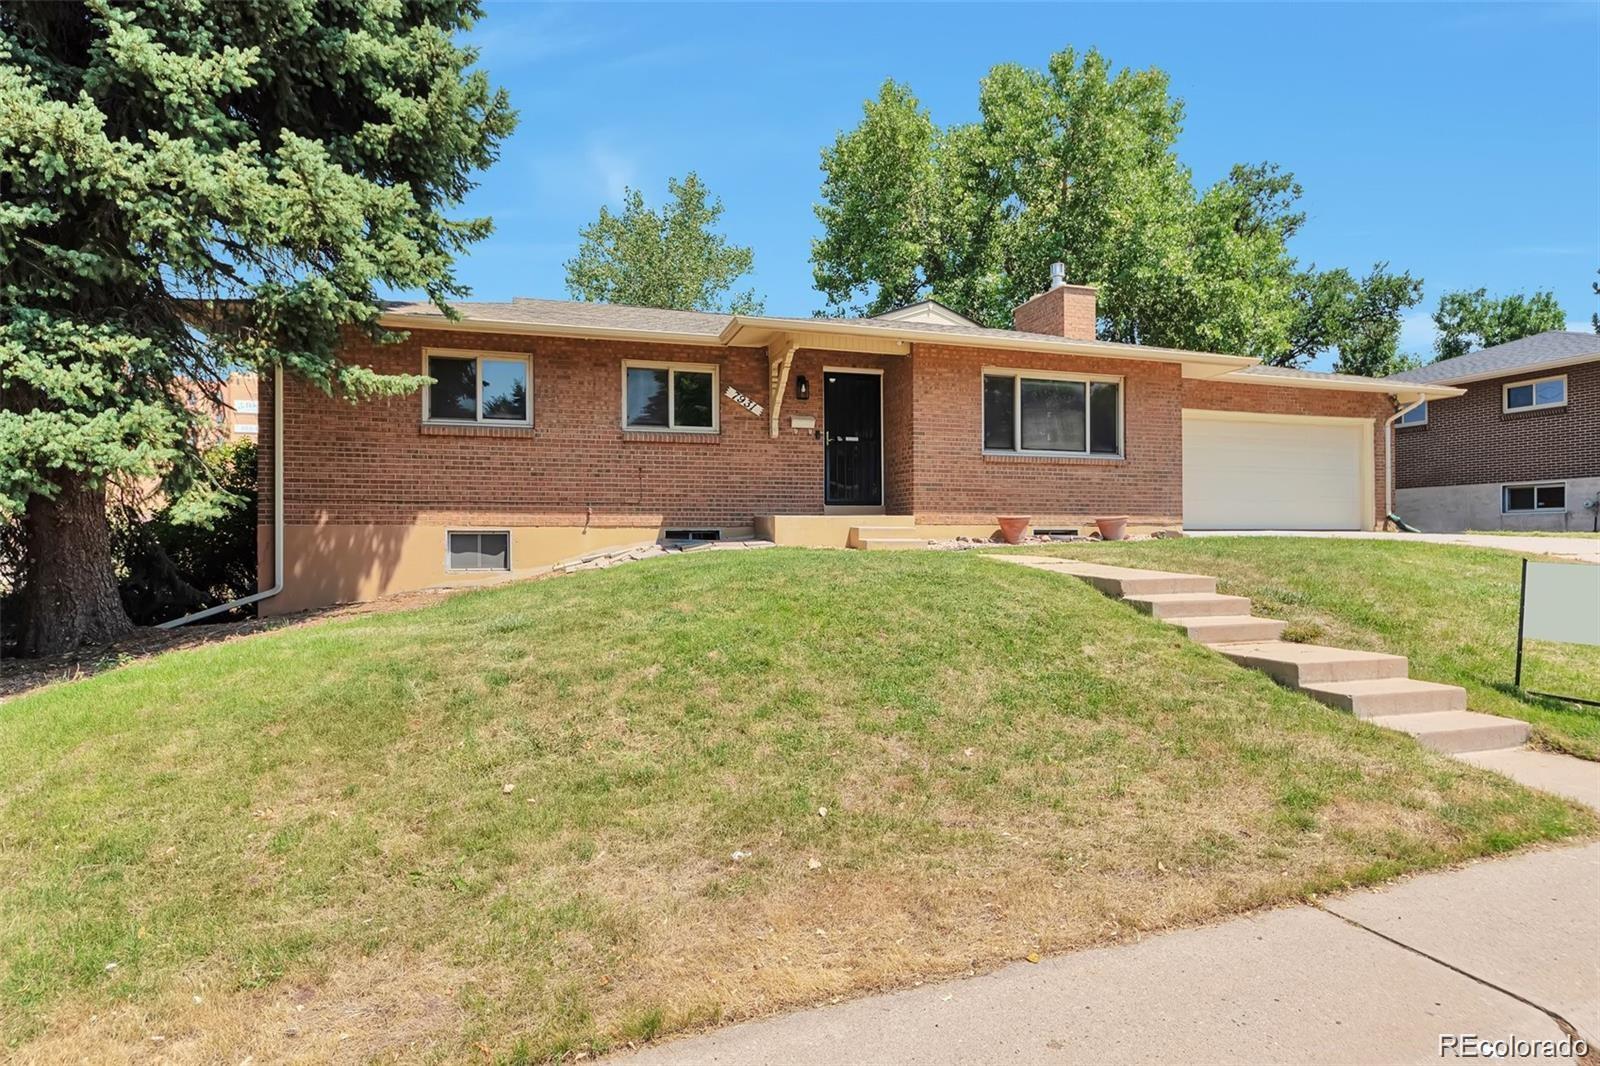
<point>1561,603</point>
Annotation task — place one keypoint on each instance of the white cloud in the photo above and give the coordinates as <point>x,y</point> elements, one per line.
<point>585,177</point>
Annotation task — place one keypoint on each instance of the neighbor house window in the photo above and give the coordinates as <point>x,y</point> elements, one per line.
<point>681,397</point>
<point>475,550</point>
<point>1515,498</point>
<point>246,407</point>
<point>1532,395</point>
<point>486,389</point>
<point>1051,414</point>
<point>1417,416</point>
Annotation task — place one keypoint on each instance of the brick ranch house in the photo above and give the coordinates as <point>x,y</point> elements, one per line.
<point>1519,450</point>
<point>554,428</point>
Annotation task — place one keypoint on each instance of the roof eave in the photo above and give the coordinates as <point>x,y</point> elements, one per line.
<point>1383,385</point>
<point>1520,371</point>
<point>546,329</point>
<point>1203,364</point>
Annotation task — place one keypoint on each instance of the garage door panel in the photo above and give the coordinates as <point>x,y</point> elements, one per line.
<point>1245,473</point>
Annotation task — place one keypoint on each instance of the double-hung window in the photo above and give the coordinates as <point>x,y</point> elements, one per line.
<point>1044,413</point>
<point>1532,395</point>
<point>485,389</point>
<point>675,397</point>
<point>1525,498</point>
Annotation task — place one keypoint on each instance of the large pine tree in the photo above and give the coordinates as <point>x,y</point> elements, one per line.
<point>191,186</point>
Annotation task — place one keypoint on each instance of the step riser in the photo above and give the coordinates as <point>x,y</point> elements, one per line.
<point>1256,629</point>
<point>1298,675</point>
<point>1374,705</point>
<point>1476,738</point>
<point>1199,606</point>
<point>1121,587</point>
<point>884,544</point>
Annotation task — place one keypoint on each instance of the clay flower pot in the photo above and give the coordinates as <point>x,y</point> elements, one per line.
<point>1012,527</point>
<point>1113,528</point>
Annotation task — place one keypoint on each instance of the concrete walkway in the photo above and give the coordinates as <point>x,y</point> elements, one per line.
<point>1584,549</point>
<point>1499,949</point>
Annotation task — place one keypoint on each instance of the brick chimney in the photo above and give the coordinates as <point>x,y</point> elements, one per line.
<point>1062,310</point>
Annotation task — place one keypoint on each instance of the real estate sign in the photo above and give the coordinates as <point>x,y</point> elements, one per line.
<point>1561,602</point>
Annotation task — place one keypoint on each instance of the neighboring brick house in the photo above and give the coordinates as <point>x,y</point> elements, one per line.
<point>554,428</point>
<point>1519,450</point>
<point>232,407</point>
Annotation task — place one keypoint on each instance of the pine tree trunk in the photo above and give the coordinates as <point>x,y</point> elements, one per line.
<point>71,586</point>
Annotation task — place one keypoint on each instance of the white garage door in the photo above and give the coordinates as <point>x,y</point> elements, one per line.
<point>1243,472</point>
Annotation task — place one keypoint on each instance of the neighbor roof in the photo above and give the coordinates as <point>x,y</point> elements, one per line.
<point>1538,352</point>
<point>570,318</point>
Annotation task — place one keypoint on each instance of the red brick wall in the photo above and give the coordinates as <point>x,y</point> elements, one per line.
<point>1065,311</point>
<point>375,461</point>
<point>1210,395</point>
<point>1471,440</point>
<point>956,483</point>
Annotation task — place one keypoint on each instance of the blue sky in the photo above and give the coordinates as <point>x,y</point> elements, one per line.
<point>1460,142</point>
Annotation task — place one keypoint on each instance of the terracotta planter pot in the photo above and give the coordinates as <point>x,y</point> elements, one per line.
<point>1114,528</point>
<point>1013,527</point>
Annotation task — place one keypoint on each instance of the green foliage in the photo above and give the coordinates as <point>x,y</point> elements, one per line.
<point>1360,317</point>
<point>1472,319</point>
<point>1078,164</point>
<point>199,548</point>
<point>673,259</point>
<point>191,185</point>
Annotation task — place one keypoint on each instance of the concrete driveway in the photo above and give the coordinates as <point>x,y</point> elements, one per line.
<point>1581,549</point>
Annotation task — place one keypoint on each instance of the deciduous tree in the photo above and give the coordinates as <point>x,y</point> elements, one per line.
<point>1467,320</point>
<point>1078,163</point>
<point>674,258</point>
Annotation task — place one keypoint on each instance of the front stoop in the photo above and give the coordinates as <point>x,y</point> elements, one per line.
<point>1371,685</point>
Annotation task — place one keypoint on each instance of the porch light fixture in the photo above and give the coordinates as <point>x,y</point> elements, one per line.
<point>802,388</point>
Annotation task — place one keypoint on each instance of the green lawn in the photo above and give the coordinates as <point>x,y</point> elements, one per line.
<point>506,826</point>
<point>1452,610</point>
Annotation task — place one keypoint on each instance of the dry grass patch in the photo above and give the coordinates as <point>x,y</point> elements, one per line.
<point>312,831</point>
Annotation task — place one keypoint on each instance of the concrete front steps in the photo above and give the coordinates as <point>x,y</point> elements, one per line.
<point>883,532</point>
<point>1368,684</point>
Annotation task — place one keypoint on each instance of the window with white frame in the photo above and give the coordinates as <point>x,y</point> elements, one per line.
<point>680,397</point>
<point>246,407</point>
<point>1040,412</point>
<point>1532,395</point>
<point>1517,499</point>
<point>1417,416</point>
<point>477,388</point>
<point>478,550</point>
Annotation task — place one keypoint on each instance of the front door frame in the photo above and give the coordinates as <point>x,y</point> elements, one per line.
<point>883,487</point>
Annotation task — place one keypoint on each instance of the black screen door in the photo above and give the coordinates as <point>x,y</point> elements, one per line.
<point>852,417</point>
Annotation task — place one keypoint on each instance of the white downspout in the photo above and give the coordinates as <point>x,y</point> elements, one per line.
<point>277,517</point>
<point>1388,454</point>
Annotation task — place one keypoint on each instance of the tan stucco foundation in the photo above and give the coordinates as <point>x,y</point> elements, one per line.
<point>345,563</point>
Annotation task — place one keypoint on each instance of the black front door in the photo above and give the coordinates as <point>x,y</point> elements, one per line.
<point>852,418</point>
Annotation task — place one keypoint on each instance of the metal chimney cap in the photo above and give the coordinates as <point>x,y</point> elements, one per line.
<point>1058,275</point>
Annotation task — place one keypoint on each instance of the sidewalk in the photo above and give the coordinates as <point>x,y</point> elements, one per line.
<point>1499,949</point>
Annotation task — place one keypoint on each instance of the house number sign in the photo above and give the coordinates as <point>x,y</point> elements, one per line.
<point>742,400</point>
